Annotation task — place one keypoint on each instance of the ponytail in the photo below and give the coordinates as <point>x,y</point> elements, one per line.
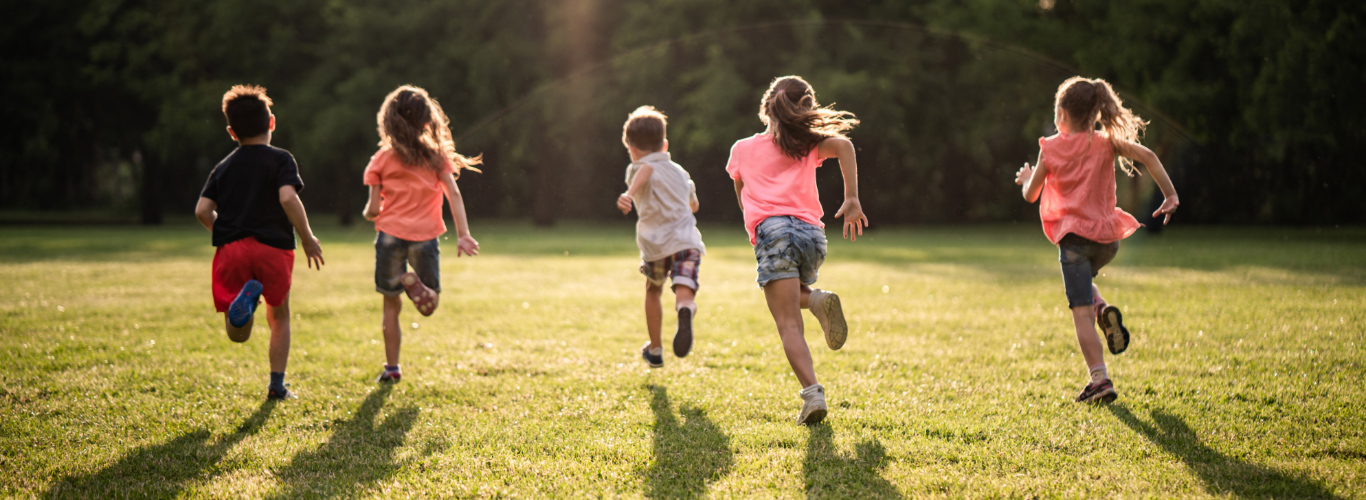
<point>797,121</point>
<point>1088,102</point>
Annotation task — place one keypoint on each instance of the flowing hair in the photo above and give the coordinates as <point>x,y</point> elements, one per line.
<point>1088,102</point>
<point>412,124</point>
<point>797,121</point>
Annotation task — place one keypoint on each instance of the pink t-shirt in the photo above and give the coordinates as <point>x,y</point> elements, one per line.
<point>775,184</point>
<point>411,208</point>
<point>1079,190</point>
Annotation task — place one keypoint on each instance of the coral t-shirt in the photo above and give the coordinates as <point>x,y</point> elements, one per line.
<point>1079,190</point>
<point>411,206</point>
<point>775,184</point>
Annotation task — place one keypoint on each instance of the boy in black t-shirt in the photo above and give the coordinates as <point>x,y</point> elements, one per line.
<point>251,203</point>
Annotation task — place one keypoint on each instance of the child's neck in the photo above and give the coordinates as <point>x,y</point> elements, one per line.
<point>260,140</point>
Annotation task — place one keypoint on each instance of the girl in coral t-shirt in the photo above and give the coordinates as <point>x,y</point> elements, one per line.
<point>416,164</point>
<point>775,181</point>
<point>1076,176</point>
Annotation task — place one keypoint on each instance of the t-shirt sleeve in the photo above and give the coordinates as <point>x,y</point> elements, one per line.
<point>373,169</point>
<point>732,166</point>
<point>692,192</point>
<point>289,174</point>
<point>210,190</point>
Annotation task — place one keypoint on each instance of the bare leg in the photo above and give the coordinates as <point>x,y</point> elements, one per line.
<point>1097,299</point>
<point>1084,317</point>
<point>393,335</point>
<point>278,317</point>
<point>653,313</point>
<point>683,297</point>
<point>784,298</point>
<point>236,334</point>
<point>806,297</point>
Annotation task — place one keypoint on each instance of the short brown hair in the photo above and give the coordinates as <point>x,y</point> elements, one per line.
<point>645,129</point>
<point>247,109</point>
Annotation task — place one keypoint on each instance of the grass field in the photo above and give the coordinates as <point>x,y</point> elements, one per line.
<point>1245,378</point>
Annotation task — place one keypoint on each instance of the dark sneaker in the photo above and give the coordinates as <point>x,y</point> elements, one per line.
<point>1112,323</point>
<point>683,337</point>
<point>388,377</point>
<point>1102,392</point>
<point>242,307</point>
<point>655,360</point>
<point>278,393</point>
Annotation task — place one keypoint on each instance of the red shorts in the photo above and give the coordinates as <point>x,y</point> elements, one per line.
<point>246,259</point>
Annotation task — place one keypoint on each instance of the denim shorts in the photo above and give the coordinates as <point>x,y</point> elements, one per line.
<point>788,247</point>
<point>681,267</point>
<point>1081,260</point>
<point>394,255</point>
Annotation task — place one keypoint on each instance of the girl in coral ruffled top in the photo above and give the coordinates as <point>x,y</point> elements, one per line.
<point>1075,174</point>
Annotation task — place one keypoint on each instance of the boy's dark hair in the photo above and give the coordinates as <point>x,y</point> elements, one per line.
<point>645,129</point>
<point>247,109</point>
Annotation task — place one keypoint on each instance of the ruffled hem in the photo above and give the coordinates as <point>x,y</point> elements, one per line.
<point>1117,227</point>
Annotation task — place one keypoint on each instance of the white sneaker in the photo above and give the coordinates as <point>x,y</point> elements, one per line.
<point>813,405</point>
<point>825,306</point>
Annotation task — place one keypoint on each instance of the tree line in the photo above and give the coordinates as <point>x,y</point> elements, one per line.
<point>113,105</point>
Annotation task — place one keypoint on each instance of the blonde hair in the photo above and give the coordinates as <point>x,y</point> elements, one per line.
<point>645,129</point>
<point>412,124</point>
<point>1087,102</point>
<point>797,121</point>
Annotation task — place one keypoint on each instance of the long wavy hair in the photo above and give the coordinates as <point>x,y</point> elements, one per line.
<point>1088,102</point>
<point>412,124</point>
<point>798,123</point>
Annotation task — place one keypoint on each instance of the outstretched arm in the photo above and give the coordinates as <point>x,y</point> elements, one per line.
<point>206,212</point>
<point>1140,153</point>
<point>294,209</point>
<point>851,210</point>
<point>464,241</point>
<point>642,178</point>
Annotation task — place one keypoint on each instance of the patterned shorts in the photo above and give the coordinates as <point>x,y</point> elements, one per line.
<point>680,267</point>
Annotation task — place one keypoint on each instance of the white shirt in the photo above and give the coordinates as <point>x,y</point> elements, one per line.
<point>664,205</point>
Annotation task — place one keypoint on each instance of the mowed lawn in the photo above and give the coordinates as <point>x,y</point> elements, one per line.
<point>1245,377</point>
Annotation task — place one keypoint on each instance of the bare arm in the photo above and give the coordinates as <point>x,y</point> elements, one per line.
<point>294,209</point>
<point>692,196</point>
<point>1140,153</point>
<point>638,183</point>
<point>206,212</point>
<point>1032,179</point>
<point>372,205</point>
<point>851,210</point>
<point>465,243</point>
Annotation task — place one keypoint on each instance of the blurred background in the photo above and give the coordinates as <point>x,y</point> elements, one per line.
<point>111,107</point>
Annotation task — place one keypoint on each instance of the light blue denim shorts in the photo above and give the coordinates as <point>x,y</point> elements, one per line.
<point>394,255</point>
<point>788,247</point>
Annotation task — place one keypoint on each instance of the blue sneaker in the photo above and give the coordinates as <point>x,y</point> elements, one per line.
<point>242,307</point>
<point>655,360</point>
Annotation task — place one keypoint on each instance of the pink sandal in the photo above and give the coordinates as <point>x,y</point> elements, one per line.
<point>424,299</point>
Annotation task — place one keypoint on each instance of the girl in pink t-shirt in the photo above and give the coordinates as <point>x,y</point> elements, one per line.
<point>416,164</point>
<point>775,181</point>
<point>1075,174</point>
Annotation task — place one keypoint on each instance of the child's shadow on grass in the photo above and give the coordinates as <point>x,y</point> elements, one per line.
<point>1221,474</point>
<point>689,455</point>
<point>164,469</point>
<point>831,475</point>
<point>358,454</point>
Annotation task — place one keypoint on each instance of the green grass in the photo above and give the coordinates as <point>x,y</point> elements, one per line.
<point>1245,378</point>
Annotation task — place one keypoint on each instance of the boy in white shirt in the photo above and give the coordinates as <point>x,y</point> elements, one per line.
<point>665,199</point>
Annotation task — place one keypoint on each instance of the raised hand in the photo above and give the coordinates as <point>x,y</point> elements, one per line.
<point>1024,174</point>
<point>1169,205</point>
<point>624,203</point>
<point>854,220</point>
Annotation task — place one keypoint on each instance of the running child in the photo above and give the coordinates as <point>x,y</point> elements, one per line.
<point>416,164</point>
<point>251,204</point>
<point>1075,174</point>
<point>775,181</point>
<point>665,199</point>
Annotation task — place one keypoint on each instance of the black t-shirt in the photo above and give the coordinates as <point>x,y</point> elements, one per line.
<point>246,186</point>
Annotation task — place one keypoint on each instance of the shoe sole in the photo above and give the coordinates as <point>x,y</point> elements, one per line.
<point>1116,335</point>
<point>813,418</point>
<point>838,331</point>
<point>416,291</point>
<point>240,311</point>
<point>683,337</point>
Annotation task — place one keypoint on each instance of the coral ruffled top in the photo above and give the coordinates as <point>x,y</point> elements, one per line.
<point>1079,190</point>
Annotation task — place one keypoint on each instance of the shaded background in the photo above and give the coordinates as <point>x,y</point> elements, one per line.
<point>112,107</point>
